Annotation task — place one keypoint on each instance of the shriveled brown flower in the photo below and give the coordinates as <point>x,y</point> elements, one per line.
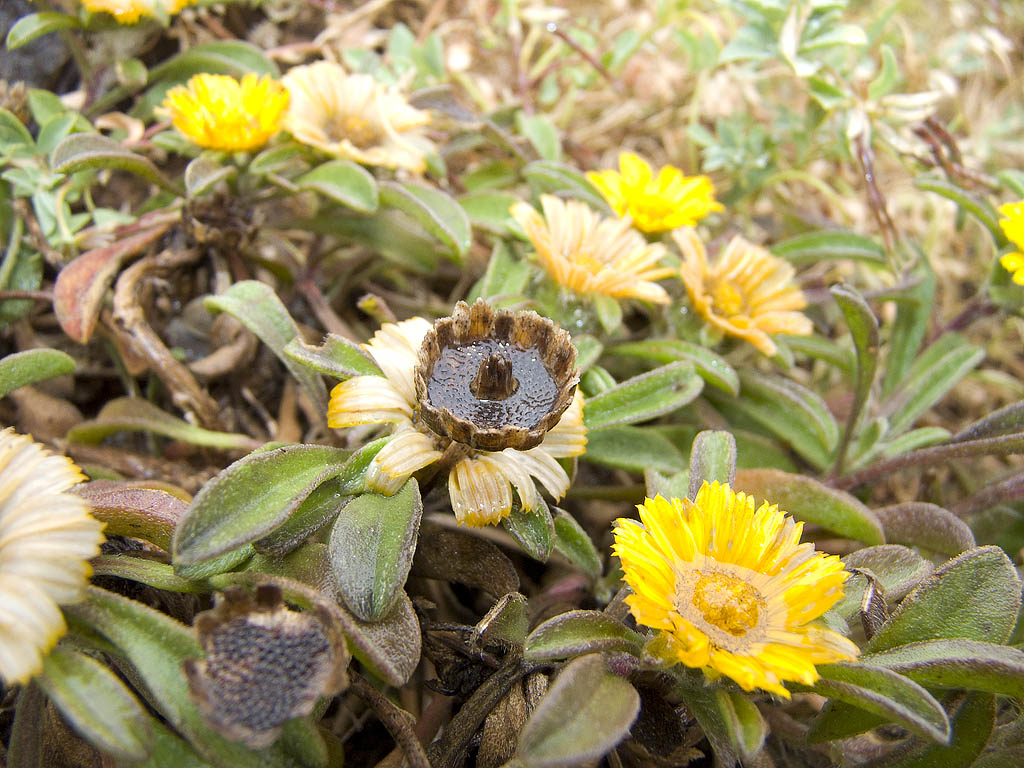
<point>265,664</point>
<point>495,379</point>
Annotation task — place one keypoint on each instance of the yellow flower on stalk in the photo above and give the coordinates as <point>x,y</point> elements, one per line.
<point>47,536</point>
<point>748,292</point>
<point>130,11</point>
<point>442,391</point>
<point>220,112</point>
<point>655,203</point>
<point>732,591</point>
<point>592,254</point>
<point>355,117</point>
<point>1013,227</point>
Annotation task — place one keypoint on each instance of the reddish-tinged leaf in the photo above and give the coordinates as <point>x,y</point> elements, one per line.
<point>131,510</point>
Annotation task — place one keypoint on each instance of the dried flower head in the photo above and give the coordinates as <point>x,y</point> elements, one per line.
<point>495,380</point>
<point>480,480</point>
<point>592,254</point>
<point>732,591</point>
<point>747,292</point>
<point>1012,224</point>
<point>355,117</point>
<point>47,536</point>
<point>220,112</point>
<point>265,664</point>
<point>130,11</point>
<point>655,203</point>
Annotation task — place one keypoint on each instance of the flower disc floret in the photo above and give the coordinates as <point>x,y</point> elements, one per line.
<point>480,481</point>
<point>731,590</point>
<point>747,292</point>
<point>591,254</point>
<point>47,536</point>
<point>655,203</point>
<point>220,112</point>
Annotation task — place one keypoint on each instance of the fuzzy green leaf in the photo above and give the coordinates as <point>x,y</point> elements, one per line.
<point>634,448</point>
<point>506,622</point>
<point>586,712</point>
<point>28,28</point>
<point>644,397</point>
<point>336,356</point>
<point>489,209</point>
<point>32,365</point>
<point>969,664</point>
<point>371,549</point>
<point>968,202</point>
<point>260,310</point>
<point>225,57</point>
<point>815,247</point>
<point>574,543</point>
<point>973,721</point>
<point>930,526</point>
<point>712,459</point>
<point>92,151</point>
<point>203,173</point>
<point>575,633</point>
<point>710,367</point>
<point>434,210</point>
<point>343,182</point>
<point>533,529</point>
<point>250,498</point>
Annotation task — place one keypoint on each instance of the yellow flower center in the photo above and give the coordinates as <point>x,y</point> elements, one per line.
<point>356,128</point>
<point>726,602</point>
<point>728,301</point>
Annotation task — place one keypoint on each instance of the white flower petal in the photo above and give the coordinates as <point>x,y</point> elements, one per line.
<point>407,452</point>
<point>366,400</point>
<point>568,437</point>
<point>480,493</point>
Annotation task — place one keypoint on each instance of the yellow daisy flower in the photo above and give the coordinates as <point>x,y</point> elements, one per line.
<point>130,11</point>
<point>355,117</point>
<point>592,254</point>
<point>220,112</point>
<point>46,539</point>
<point>656,204</point>
<point>747,292</point>
<point>732,591</point>
<point>1013,227</point>
<point>480,479</point>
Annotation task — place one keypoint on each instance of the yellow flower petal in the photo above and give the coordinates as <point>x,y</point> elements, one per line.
<point>730,589</point>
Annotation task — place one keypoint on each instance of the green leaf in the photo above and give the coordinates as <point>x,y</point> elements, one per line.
<point>819,348</point>
<point>1002,422</point>
<point>714,712</point>
<point>897,569</point>
<point>505,276</point>
<point>972,721</point>
<point>883,693</point>
<point>55,131</point>
<point>588,350</point>
<point>13,132</point>
<point>969,664</point>
<point>710,367</point>
<point>489,209</point>
<point>967,202</point>
<point>208,568</point>
<point>545,176</point>
<point>542,135</point>
<point>608,311</point>
<point>575,633</point>
<point>506,622</point>
<point>32,365</point>
<point>975,596</point>
<point>156,645</point>
<point>226,57</point>
<point>912,440</point>
<point>912,318</point>
<point>864,330</point>
<point>148,572</point>
<point>323,504</point>
<point>925,525</point>
<point>712,459</point>
<point>260,310</point>
<point>933,374</point>
<point>813,502</point>
<point>751,728</point>
<point>203,173</point>
<point>634,448</point>
<point>438,213</point>
<point>888,76</point>
<point>371,549</point>
<point>533,529</point>
<point>169,750</point>
<point>644,397</point>
<point>585,713</point>
<point>814,247</point>
<point>28,28</point>
<point>250,498</point>
<point>343,182</point>
<point>92,151</point>
<point>96,703</point>
<point>336,356</point>
<point>574,543</point>
<point>133,414</point>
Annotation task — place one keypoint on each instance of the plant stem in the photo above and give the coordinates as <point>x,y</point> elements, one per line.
<point>1010,489</point>
<point>398,722</point>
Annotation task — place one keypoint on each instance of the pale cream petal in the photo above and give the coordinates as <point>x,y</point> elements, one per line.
<point>569,436</point>
<point>543,466</point>
<point>480,493</point>
<point>366,400</point>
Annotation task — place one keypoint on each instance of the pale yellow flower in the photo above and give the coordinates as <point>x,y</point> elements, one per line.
<point>732,591</point>
<point>1012,225</point>
<point>655,203</point>
<point>592,254</point>
<point>748,292</point>
<point>130,11</point>
<point>46,539</point>
<point>355,117</point>
<point>479,482</point>
<point>220,112</point>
